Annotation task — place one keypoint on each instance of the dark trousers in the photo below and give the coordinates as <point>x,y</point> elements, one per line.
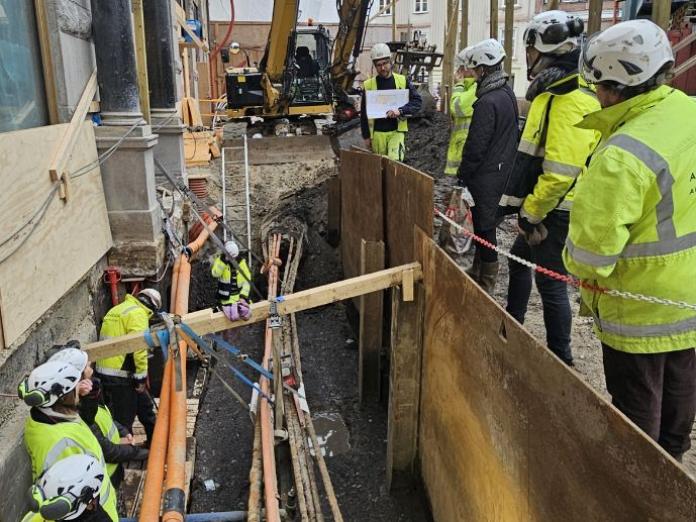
<point>554,294</point>
<point>657,392</point>
<point>125,403</point>
<point>484,227</point>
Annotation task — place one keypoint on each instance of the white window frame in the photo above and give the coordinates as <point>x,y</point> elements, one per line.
<point>420,6</point>
<point>381,4</point>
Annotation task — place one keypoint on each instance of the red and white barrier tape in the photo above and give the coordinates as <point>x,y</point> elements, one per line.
<point>568,279</point>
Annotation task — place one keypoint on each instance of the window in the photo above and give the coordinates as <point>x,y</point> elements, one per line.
<point>501,38</point>
<point>22,96</point>
<point>385,7</point>
<point>421,6</point>
<point>516,3</point>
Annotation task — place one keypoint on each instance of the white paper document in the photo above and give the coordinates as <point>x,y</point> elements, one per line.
<point>379,102</point>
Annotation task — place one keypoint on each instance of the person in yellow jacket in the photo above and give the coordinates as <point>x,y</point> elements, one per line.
<point>633,229</point>
<point>461,111</point>
<point>387,136</point>
<point>233,286</point>
<point>124,377</point>
<point>69,490</point>
<point>54,430</point>
<point>550,159</point>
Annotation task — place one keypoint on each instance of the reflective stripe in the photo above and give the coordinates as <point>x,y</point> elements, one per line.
<point>531,148</point>
<point>565,205</point>
<point>453,164</point>
<point>648,330</point>
<point>461,127</point>
<point>660,248</point>
<point>589,258</point>
<point>556,167</point>
<point>112,432</point>
<point>58,448</point>
<point>510,201</point>
<point>140,375</point>
<point>532,219</point>
<point>665,207</point>
<point>103,498</point>
<point>113,372</point>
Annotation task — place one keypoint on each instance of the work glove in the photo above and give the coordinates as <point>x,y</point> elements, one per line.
<point>237,310</point>
<point>533,233</point>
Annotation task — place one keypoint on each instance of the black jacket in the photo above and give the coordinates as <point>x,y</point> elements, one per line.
<point>489,150</point>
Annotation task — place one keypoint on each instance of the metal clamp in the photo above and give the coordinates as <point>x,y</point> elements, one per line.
<point>274,320</point>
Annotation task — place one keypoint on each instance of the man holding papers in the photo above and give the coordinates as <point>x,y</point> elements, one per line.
<point>388,98</point>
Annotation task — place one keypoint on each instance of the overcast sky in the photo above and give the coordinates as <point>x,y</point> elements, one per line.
<point>323,11</point>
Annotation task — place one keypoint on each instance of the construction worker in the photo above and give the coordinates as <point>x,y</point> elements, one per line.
<point>54,429</point>
<point>233,286</point>
<point>550,158</point>
<point>387,136</point>
<point>124,377</point>
<point>461,111</point>
<point>489,151</point>
<point>69,490</point>
<point>115,440</point>
<point>633,229</point>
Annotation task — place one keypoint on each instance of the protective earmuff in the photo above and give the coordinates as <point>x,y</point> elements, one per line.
<point>33,398</point>
<point>55,508</point>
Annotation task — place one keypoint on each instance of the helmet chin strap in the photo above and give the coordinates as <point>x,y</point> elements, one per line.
<point>531,73</point>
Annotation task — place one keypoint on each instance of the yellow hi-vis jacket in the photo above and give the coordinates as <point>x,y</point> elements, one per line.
<point>461,110</point>
<point>107,426</point>
<point>231,289</point>
<point>49,443</point>
<point>633,226</point>
<point>550,135</point>
<point>371,85</point>
<point>128,317</point>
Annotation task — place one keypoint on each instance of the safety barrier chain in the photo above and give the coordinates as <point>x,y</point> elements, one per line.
<point>568,279</point>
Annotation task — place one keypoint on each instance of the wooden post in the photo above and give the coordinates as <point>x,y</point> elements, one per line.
<point>393,13</point>
<point>661,13</point>
<point>464,26</point>
<point>141,57</point>
<point>47,62</point>
<point>333,226</point>
<point>509,43</point>
<point>494,19</point>
<point>371,312</point>
<point>449,52</point>
<point>404,382</point>
<point>553,5</point>
<point>594,22</point>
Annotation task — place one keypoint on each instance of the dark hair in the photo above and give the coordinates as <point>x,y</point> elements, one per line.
<point>662,76</point>
<point>489,69</point>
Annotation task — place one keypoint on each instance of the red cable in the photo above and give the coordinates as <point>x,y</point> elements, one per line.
<point>216,51</point>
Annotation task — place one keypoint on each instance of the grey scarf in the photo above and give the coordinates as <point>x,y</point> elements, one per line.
<point>491,82</point>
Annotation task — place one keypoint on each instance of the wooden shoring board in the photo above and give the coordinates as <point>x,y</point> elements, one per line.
<point>370,330</point>
<point>408,202</point>
<point>361,206</point>
<point>508,432</point>
<point>206,321</point>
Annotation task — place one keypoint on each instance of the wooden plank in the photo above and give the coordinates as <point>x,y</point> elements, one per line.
<point>47,61</point>
<point>408,196</point>
<point>508,432</point>
<point>333,225</point>
<point>66,144</point>
<point>181,20</point>
<point>187,77</point>
<point>404,383</point>
<point>59,235</point>
<point>362,215</point>
<point>408,285</point>
<point>141,57</point>
<point>207,321</point>
<point>370,332</point>
<point>204,107</point>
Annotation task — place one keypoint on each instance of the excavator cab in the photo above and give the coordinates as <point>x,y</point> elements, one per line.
<point>311,87</point>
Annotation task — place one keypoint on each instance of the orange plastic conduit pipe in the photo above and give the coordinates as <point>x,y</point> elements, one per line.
<point>267,443</point>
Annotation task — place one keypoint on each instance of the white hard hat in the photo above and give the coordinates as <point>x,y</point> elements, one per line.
<point>153,296</point>
<point>231,248</point>
<point>73,356</point>
<point>629,53</point>
<point>553,32</point>
<point>487,52</point>
<point>65,489</point>
<point>379,52</point>
<point>49,382</point>
<point>460,60</point>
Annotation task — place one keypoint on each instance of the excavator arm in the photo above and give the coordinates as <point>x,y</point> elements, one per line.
<point>348,44</point>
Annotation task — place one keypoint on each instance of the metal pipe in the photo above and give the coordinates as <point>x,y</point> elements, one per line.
<point>248,196</point>
<point>223,177</point>
<point>224,516</point>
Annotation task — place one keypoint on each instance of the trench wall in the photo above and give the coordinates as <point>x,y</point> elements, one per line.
<point>495,426</point>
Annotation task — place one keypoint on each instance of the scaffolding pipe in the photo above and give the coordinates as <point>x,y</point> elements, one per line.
<point>248,196</point>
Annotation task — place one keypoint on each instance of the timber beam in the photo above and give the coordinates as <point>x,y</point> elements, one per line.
<point>206,321</point>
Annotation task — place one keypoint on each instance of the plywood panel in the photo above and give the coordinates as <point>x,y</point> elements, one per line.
<point>362,216</point>
<point>408,196</point>
<point>370,330</point>
<point>507,432</point>
<point>67,242</point>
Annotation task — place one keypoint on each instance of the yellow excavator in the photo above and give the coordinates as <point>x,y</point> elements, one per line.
<point>303,75</point>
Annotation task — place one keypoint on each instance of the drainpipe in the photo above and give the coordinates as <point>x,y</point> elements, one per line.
<point>112,275</point>
<point>225,516</point>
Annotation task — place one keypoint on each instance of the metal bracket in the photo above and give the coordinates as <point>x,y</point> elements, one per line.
<point>274,320</point>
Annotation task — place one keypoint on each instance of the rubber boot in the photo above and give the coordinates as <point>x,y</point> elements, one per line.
<point>488,277</point>
<point>474,271</point>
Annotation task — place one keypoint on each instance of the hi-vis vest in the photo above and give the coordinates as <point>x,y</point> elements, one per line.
<point>633,224</point>
<point>553,152</point>
<point>232,285</point>
<point>128,317</point>
<point>107,426</point>
<point>371,85</point>
<point>461,110</point>
<point>49,443</point>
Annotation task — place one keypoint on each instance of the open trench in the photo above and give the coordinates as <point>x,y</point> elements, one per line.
<point>353,435</point>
